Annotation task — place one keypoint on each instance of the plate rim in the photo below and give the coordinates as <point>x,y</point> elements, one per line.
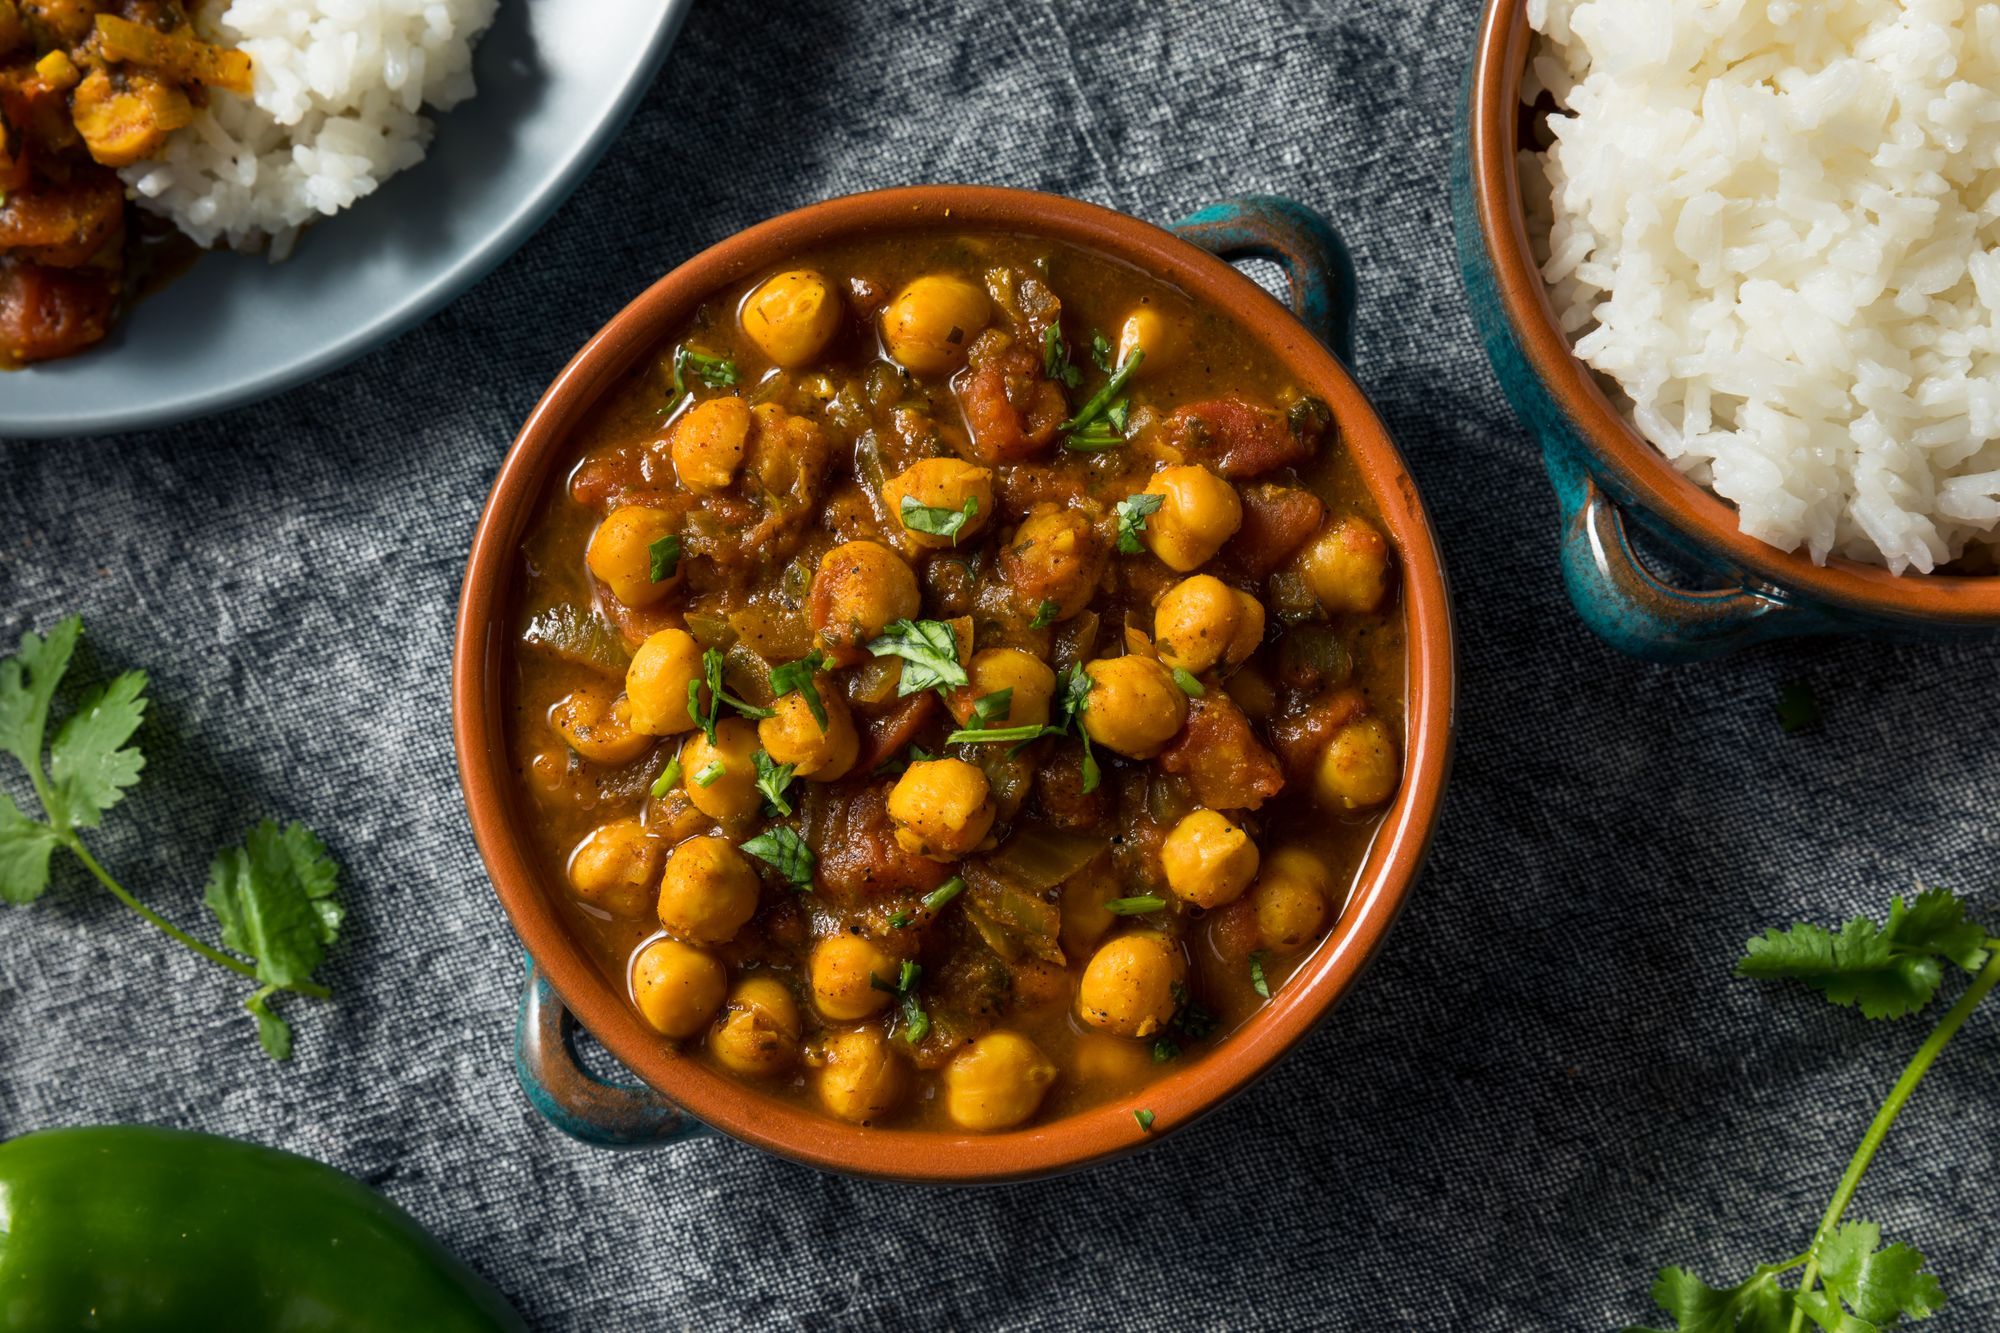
<point>456,278</point>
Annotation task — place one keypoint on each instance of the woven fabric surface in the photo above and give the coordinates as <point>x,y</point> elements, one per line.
<point>1547,1084</point>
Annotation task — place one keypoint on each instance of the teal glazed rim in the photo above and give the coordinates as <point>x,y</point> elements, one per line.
<point>1608,481</point>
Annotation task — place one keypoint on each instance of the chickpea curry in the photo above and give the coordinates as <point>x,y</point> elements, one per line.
<point>86,87</point>
<point>958,678</point>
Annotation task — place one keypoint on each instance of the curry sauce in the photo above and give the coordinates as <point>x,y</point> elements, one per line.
<point>958,678</point>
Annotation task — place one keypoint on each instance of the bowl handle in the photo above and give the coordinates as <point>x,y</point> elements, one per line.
<point>576,1101</point>
<point>1638,612</point>
<point>1299,241</point>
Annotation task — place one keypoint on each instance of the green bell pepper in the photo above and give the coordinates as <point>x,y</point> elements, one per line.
<point>131,1229</point>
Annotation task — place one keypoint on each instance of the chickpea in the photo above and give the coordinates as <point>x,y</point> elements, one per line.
<point>1198,512</point>
<point>707,443</point>
<point>721,779</point>
<point>1249,636</point>
<point>656,684</point>
<point>1347,566</point>
<point>933,320</point>
<point>1085,918</point>
<point>941,483</point>
<point>620,554</point>
<point>1290,902</point>
<point>1146,328</point>
<point>598,726</point>
<point>942,808</point>
<point>1110,1063</point>
<point>860,1078</point>
<point>1208,860</point>
<point>677,987</point>
<point>758,1034</point>
<point>708,891</point>
<point>1135,708</point>
<point>1128,986</point>
<point>841,967</point>
<point>1196,622</point>
<point>994,669</point>
<point>615,866</point>
<point>1358,768</point>
<point>1056,555</point>
<point>792,317</point>
<point>997,1082</point>
<point>859,588</point>
<point>792,735</point>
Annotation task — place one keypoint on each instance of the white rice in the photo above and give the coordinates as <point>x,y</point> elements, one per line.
<point>339,90</point>
<point>1776,225</point>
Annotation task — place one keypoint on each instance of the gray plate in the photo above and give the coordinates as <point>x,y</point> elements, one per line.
<point>556,80</point>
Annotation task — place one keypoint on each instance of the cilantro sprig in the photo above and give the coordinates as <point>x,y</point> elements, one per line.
<point>663,558</point>
<point>1849,1281</point>
<point>797,678</point>
<point>772,779</point>
<point>272,896</point>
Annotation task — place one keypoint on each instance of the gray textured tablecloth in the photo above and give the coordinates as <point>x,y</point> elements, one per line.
<point>1548,1083</point>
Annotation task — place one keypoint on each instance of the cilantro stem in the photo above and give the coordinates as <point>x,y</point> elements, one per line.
<point>1878,1129</point>
<point>216,956</point>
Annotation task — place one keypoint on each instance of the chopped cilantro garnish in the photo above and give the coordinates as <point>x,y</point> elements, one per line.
<point>1191,1018</point>
<point>1045,614</point>
<point>665,555</point>
<point>1055,358</point>
<point>1100,351</point>
<point>798,677</point>
<point>1133,511</point>
<point>936,521</point>
<point>1096,425</point>
<point>1145,1119</point>
<point>1257,981</point>
<point>1136,906</point>
<point>714,371</point>
<point>711,671</point>
<point>781,846</point>
<point>929,650</point>
<point>995,707</point>
<point>916,1023</point>
<point>1165,1049</point>
<point>772,779</point>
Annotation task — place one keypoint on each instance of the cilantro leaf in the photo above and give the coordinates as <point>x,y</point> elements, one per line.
<point>274,1034</point>
<point>929,650</point>
<point>1055,358</point>
<point>798,677</point>
<point>1258,982</point>
<point>28,683</point>
<point>88,762</point>
<point>1100,352</point>
<point>714,371</point>
<point>1879,1284</point>
<point>25,847</point>
<point>1133,511</point>
<point>772,779</point>
<point>995,707</point>
<point>1045,614</point>
<point>936,521</point>
<point>1886,971</point>
<point>1144,1117</point>
<point>781,847</point>
<point>664,558</point>
<point>711,676</point>
<point>1756,1305</point>
<point>274,899</point>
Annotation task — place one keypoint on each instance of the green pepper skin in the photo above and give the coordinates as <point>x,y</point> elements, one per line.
<point>132,1229</point>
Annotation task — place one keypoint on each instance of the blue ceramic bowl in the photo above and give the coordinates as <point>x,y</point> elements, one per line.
<point>1608,479</point>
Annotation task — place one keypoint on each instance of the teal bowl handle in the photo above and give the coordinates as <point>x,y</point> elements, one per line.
<point>1297,240</point>
<point>576,1101</point>
<point>1635,610</point>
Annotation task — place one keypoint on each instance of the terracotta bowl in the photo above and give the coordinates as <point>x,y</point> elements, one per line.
<point>675,1088</point>
<point>1603,469</point>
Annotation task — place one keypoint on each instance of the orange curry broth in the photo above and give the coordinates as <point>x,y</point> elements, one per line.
<point>1008,952</point>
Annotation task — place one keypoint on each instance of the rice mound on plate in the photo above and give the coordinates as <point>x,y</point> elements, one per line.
<point>339,90</point>
<point>1774,224</point>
